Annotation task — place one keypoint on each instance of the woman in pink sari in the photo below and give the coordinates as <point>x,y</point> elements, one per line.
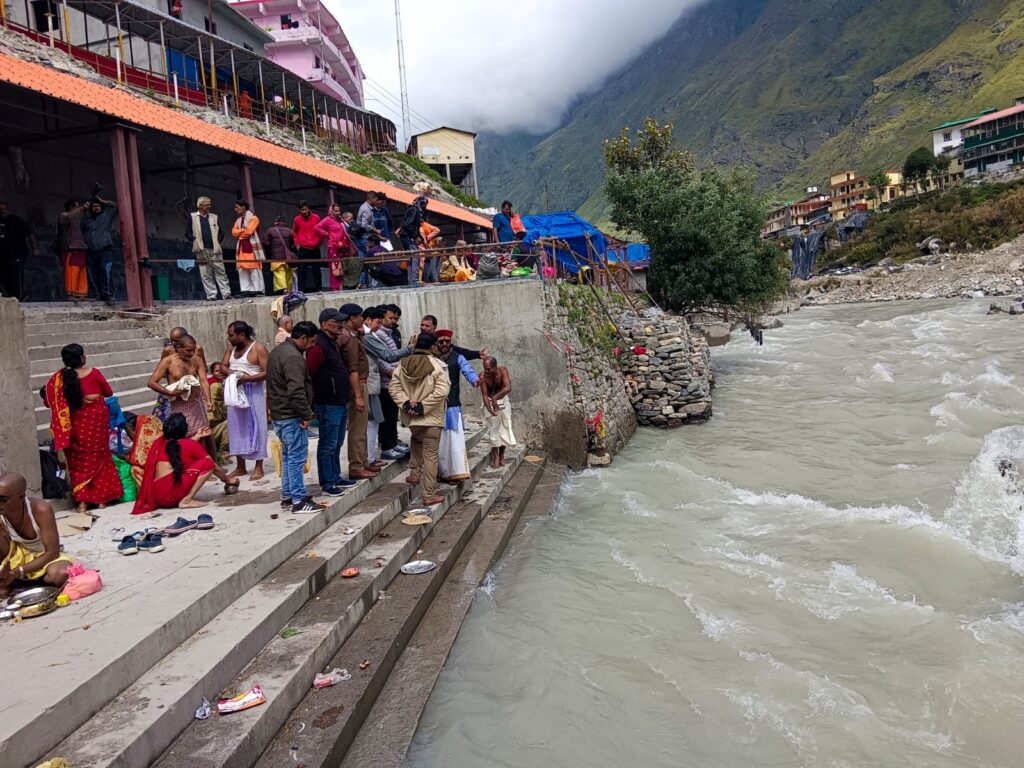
<point>339,244</point>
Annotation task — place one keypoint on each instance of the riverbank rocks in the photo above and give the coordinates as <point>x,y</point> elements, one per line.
<point>667,368</point>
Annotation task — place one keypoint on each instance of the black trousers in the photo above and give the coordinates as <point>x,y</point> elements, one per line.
<point>387,433</point>
<point>11,277</point>
<point>100,265</point>
<point>309,274</point>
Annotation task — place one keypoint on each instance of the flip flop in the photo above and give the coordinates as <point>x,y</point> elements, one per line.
<point>204,522</point>
<point>179,526</point>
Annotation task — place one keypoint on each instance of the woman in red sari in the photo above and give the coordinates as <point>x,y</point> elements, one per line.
<point>339,244</point>
<point>176,469</point>
<point>80,422</point>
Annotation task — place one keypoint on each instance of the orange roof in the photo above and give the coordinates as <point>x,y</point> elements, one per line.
<point>142,112</point>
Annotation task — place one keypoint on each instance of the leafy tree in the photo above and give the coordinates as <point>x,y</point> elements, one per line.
<point>703,225</point>
<point>918,166</point>
<point>878,181</point>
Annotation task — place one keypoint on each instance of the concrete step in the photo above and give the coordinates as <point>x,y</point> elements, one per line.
<point>121,373</point>
<point>103,360</point>
<point>94,350</point>
<point>385,735</point>
<point>82,326</point>
<point>336,714</point>
<point>152,604</point>
<point>87,337</point>
<point>285,668</point>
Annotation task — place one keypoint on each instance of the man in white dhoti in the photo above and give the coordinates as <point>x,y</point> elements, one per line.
<point>495,386</point>
<point>452,462</point>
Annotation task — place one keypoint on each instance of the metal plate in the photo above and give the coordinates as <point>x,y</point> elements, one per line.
<point>29,597</point>
<point>418,566</point>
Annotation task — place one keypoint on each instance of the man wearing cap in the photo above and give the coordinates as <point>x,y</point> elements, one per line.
<point>354,355</point>
<point>332,389</point>
<point>452,461</point>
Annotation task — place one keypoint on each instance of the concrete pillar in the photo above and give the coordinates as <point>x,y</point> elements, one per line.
<point>448,171</point>
<point>139,218</point>
<point>126,215</point>
<point>245,182</point>
<point>19,450</point>
<point>330,197</point>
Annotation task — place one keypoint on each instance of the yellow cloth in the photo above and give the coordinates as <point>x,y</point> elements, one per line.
<point>55,762</point>
<point>18,556</point>
<point>274,446</point>
<point>283,275</point>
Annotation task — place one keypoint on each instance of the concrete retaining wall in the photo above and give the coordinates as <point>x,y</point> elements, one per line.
<point>505,317</point>
<point>18,450</point>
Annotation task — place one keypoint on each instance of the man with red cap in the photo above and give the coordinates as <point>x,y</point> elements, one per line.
<point>454,467</point>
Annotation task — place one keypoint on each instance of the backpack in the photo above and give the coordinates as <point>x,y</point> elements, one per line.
<point>54,485</point>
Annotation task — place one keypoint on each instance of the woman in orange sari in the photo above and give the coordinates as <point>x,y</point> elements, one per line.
<point>80,422</point>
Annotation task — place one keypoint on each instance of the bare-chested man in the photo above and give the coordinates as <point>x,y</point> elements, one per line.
<point>175,337</point>
<point>495,386</point>
<point>246,360</point>
<point>29,541</point>
<point>190,402</point>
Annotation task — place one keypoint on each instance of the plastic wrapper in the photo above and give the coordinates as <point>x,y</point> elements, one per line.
<point>251,698</point>
<point>327,679</point>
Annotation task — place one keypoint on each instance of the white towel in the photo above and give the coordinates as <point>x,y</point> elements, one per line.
<point>184,385</point>
<point>234,395</point>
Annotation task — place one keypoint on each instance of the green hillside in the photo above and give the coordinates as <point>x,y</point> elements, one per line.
<point>793,89</point>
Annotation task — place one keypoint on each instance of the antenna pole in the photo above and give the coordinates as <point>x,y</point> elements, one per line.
<point>406,124</point>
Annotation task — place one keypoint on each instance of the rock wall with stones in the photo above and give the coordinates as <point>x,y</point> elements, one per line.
<point>668,370</point>
<point>602,419</point>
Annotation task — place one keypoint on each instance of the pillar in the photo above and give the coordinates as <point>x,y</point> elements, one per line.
<point>330,198</point>
<point>126,215</point>
<point>245,181</point>
<point>139,218</point>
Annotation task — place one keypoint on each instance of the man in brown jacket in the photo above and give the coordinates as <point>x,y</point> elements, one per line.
<point>420,390</point>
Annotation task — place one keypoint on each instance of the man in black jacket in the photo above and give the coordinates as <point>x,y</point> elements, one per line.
<point>290,398</point>
<point>332,389</point>
<point>409,233</point>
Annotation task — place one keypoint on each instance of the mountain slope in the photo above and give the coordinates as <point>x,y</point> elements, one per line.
<point>793,89</point>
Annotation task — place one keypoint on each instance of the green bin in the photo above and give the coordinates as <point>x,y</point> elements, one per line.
<point>161,287</point>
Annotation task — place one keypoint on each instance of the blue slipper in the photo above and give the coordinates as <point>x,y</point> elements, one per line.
<point>179,526</point>
<point>152,542</point>
<point>128,546</point>
<point>204,522</point>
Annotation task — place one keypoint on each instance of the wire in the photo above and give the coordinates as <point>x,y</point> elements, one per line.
<point>412,111</point>
<point>390,102</point>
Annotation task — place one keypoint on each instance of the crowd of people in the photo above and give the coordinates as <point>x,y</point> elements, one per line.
<point>306,252</point>
<point>351,376</point>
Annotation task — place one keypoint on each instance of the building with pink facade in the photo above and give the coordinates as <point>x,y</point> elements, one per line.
<point>310,42</point>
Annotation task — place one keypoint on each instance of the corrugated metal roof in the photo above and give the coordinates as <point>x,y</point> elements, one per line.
<point>117,103</point>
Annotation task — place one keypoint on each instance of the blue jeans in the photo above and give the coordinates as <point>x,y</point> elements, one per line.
<point>294,447</point>
<point>332,421</point>
<point>408,244</point>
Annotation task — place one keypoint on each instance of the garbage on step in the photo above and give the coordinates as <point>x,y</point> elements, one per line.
<point>418,566</point>
<point>364,664</point>
<point>55,762</point>
<point>350,573</point>
<point>203,711</point>
<point>251,698</point>
<point>418,519</point>
<point>335,676</point>
<point>290,632</point>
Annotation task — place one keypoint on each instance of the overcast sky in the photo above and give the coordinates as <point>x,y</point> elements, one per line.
<point>485,65</point>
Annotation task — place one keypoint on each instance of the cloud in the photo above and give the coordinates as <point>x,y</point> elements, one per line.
<point>483,65</point>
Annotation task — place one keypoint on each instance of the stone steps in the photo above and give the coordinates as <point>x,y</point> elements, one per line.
<point>121,376</point>
<point>102,360</point>
<point>141,399</point>
<point>388,729</point>
<point>285,668</point>
<point>95,350</point>
<point>54,339</point>
<point>151,605</point>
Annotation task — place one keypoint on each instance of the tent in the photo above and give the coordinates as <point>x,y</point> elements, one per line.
<point>635,254</point>
<point>567,226</point>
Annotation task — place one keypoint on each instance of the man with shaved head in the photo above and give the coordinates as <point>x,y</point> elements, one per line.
<point>29,542</point>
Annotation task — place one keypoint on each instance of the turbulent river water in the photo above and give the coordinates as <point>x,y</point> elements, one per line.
<point>828,573</point>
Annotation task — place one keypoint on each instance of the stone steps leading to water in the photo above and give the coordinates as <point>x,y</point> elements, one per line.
<point>285,668</point>
<point>67,666</point>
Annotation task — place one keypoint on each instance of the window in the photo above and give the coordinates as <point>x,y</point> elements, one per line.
<point>206,24</point>
<point>947,136</point>
<point>316,62</point>
<point>286,22</point>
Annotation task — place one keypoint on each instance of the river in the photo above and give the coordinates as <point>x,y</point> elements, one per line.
<point>828,573</point>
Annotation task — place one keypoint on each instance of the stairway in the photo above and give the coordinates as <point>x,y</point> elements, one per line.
<point>125,351</point>
<point>135,707</point>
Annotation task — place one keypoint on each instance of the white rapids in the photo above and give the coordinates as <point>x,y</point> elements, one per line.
<point>827,574</point>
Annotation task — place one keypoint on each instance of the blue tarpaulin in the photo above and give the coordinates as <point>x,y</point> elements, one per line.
<point>634,253</point>
<point>567,226</point>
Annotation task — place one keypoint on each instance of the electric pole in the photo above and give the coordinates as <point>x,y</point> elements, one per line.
<point>406,124</point>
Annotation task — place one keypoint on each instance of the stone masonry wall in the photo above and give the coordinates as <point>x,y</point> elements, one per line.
<point>668,368</point>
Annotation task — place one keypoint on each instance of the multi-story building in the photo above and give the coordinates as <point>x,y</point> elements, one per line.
<point>994,142</point>
<point>309,41</point>
<point>848,192</point>
<point>451,153</point>
<point>788,218</point>
<point>949,136</point>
